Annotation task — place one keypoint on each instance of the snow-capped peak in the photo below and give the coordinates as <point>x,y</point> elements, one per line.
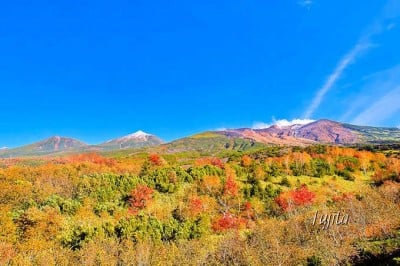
<point>4,148</point>
<point>138,134</point>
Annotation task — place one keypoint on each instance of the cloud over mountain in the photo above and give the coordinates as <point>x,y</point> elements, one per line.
<point>282,123</point>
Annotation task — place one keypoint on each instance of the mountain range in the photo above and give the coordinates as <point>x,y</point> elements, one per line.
<point>318,132</point>
<point>58,145</point>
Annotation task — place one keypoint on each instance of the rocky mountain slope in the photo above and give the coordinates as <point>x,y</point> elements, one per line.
<point>321,131</point>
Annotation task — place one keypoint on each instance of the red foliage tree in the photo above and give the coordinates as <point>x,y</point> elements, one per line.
<point>195,205</point>
<point>231,187</point>
<point>228,221</point>
<point>155,159</point>
<point>302,196</point>
<point>217,162</point>
<point>210,161</point>
<point>299,197</point>
<point>248,210</point>
<point>90,157</point>
<point>282,201</point>
<point>247,206</point>
<point>139,198</point>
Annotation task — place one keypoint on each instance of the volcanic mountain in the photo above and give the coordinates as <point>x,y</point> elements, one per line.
<point>51,145</point>
<point>136,140</point>
<point>321,131</point>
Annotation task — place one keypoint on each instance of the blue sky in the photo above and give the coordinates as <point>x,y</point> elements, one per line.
<point>95,70</point>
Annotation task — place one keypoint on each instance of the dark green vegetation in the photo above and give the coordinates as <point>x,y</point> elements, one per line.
<point>375,134</point>
<point>210,143</point>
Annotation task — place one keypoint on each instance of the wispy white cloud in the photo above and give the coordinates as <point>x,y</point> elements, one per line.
<point>371,89</point>
<point>385,107</point>
<point>306,3</point>
<point>334,76</point>
<point>391,26</point>
<point>260,125</point>
<point>390,10</point>
<point>282,123</point>
<point>382,94</point>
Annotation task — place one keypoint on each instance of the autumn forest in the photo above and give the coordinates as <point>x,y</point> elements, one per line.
<point>255,207</point>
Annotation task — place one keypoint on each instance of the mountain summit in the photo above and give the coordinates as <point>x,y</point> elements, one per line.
<point>138,135</point>
<point>47,146</point>
<point>320,131</point>
<point>134,140</point>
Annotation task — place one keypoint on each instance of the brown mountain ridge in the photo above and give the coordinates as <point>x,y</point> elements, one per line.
<point>320,131</point>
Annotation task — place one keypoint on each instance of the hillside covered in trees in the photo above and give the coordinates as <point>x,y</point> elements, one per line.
<point>318,205</point>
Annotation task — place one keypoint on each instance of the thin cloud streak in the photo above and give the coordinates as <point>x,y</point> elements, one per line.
<point>306,3</point>
<point>390,10</point>
<point>386,80</point>
<point>346,60</point>
<point>382,109</point>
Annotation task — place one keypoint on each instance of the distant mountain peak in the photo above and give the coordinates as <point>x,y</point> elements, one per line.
<point>57,143</point>
<point>134,140</point>
<point>47,146</point>
<point>306,131</point>
<point>138,134</point>
<point>4,148</point>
